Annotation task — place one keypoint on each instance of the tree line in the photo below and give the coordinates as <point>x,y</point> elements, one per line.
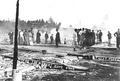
<point>39,23</point>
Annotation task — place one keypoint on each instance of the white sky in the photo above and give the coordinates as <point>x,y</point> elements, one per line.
<point>74,12</point>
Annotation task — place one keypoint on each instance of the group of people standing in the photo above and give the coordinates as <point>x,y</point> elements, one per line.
<point>28,37</point>
<point>47,37</point>
<point>33,36</point>
<point>117,35</point>
<point>84,37</point>
<point>52,40</point>
<point>99,36</point>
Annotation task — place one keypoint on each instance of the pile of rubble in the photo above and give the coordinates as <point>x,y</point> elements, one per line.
<point>32,65</point>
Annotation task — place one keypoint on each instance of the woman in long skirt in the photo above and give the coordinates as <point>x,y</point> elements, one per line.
<point>38,37</point>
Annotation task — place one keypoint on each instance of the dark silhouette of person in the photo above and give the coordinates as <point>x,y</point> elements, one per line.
<point>100,36</point>
<point>26,37</point>
<point>93,37</point>
<point>117,35</point>
<point>31,30</point>
<point>97,35</point>
<point>38,37</point>
<point>51,38</point>
<point>57,39</point>
<point>46,37</point>
<point>109,38</point>
<point>87,35</point>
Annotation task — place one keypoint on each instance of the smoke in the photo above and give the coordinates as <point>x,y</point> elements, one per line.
<point>7,27</point>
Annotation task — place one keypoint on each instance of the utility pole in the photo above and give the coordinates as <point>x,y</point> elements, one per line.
<point>15,58</point>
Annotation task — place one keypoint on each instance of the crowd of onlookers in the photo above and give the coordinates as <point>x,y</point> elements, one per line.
<point>33,36</point>
<point>86,37</point>
<point>81,37</point>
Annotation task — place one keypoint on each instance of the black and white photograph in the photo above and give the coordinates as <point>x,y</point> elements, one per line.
<point>59,40</point>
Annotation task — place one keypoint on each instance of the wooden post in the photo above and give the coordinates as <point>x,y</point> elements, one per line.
<point>15,42</point>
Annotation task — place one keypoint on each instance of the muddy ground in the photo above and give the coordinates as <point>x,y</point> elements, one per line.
<point>99,70</point>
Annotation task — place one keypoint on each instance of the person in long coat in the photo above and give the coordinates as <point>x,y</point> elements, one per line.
<point>32,34</point>
<point>109,38</point>
<point>46,37</point>
<point>93,37</point>
<point>57,39</point>
<point>86,39</point>
<point>100,36</point>
<point>117,35</point>
<point>38,37</point>
<point>52,39</point>
<point>97,35</point>
<point>82,37</point>
<point>26,38</point>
